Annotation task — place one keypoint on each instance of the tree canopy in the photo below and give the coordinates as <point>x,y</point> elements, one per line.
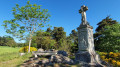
<point>7,41</point>
<point>110,40</point>
<point>27,20</point>
<point>98,35</point>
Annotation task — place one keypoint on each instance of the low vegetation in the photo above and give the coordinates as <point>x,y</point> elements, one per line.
<point>25,49</point>
<point>9,57</point>
<point>111,57</point>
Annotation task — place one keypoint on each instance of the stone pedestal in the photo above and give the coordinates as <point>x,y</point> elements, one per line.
<point>86,54</point>
<point>85,38</point>
<point>86,58</point>
<point>83,56</point>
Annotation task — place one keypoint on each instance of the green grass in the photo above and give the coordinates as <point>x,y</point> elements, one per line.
<point>8,53</point>
<point>9,57</point>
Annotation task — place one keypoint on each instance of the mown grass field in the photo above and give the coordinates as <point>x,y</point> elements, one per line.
<point>9,57</point>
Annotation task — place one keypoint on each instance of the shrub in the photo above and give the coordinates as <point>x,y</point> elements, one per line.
<point>111,57</point>
<point>25,49</point>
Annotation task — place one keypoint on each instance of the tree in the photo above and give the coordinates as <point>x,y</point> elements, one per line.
<point>100,29</point>
<point>110,40</point>
<point>27,20</point>
<point>74,38</point>
<point>21,44</point>
<point>7,41</point>
<point>43,40</point>
<point>1,41</point>
<point>49,30</point>
<point>11,43</point>
<point>59,35</point>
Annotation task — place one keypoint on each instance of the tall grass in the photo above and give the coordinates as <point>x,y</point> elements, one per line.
<point>5,50</point>
<point>8,53</point>
<point>9,57</point>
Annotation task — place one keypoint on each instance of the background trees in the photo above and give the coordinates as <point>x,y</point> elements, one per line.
<point>52,39</point>
<point>7,41</point>
<point>59,35</point>
<point>101,34</point>
<point>74,40</point>
<point>27,20</point>
<point>43,40</point>
<point>110,41</point>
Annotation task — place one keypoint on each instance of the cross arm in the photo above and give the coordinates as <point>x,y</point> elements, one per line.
<point>80,11</point>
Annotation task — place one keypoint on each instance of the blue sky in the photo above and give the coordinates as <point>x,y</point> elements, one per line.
<point>64,13</point>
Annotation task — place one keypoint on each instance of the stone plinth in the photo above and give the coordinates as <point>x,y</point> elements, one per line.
<point>83,56</point>
<point>86,54</point>
<point>85,38</point>
<point>86,58</point>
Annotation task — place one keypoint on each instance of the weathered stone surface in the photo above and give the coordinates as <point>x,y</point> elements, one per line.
<point>40,50</point>
<point>83,56</point>
<point>60,59</point>
<point>85,38</point>
<point>64,53</point>
<point>86,54</point>
<point>83,14</point>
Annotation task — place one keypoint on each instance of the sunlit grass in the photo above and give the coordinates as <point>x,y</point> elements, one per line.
<point>8,53</point>
<point>5,50</point>
<point>9,57</point>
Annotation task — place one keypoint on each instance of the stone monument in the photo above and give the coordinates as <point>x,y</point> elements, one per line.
<point>86,54</point>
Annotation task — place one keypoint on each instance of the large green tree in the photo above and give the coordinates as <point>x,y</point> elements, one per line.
<point>98,35</point>
<point>110,40</point>
<point>59,35</point>
<point>43,40</point>
<point>27,20</point>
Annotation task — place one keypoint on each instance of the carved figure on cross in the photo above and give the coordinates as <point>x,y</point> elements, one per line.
<point>83,13</point>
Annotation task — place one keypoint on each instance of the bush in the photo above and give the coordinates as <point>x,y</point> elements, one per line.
<point>25,49</point>
<point>111,57</point>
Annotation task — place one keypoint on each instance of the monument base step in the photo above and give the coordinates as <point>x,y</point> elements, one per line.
<point>87,59</point>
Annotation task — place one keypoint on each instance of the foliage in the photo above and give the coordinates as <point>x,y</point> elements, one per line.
<point>52,39</point>
<point>21,44</point>
<point>98,36</point>
<point>49,30</point>
<point>60,36</point>
<point>7,41</point>
<point>58,33</point>
<point>111,38</point>
<point>25,49</point>
<point>28,18</point>
<point>43,40</point>
<point>111,57</point>
<point>11,43</point>
<point>55,39</point>
<point>74,40</point>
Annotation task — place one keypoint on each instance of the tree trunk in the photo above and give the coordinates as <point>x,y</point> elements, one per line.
<point>29,45</point>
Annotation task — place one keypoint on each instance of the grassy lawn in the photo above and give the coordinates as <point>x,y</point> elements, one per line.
<point>9,57</point>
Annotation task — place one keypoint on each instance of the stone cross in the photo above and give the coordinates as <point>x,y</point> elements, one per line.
<point>86,55</point>
<point>83,13</point>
